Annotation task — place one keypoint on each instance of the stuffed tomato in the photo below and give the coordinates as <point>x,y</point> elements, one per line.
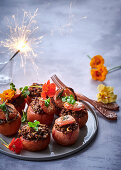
<point>35,139</point>
<point>65,130</point>
<point>41,110</point>
<point>10,120</point>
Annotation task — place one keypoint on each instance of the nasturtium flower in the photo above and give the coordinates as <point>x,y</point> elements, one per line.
<point>7,95</point>
<point>48,90</point>
<point>106,94</point>
<point>15,145</point>
<point>99,73</point>
<point>96,61</point>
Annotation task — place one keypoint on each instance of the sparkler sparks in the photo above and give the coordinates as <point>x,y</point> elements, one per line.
<point>21,38</point>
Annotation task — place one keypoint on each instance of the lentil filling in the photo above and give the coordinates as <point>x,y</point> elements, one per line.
<point>67,128</point>
<point>36,106</point>
<point>30,134</point>
<point>75,114</point>
<point>35,91</point>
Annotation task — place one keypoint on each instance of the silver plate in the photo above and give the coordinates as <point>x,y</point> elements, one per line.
<point>55,151</point>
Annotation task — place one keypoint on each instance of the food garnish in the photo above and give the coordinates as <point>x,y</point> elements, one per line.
<point>106,94</point>
<point>24,117</point>
<point>34,125</point>
<point>48,90</point>
<point>70,99</point>
<point>47,102</point>
<point>6,109</point>
<point>65,120</point>
<point>25,91</point>
<point>12,86</point>
<point>15,145</point>
<point>7,95</point>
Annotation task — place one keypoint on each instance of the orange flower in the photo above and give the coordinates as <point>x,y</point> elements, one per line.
<point>7,95</point>
<point>48,90</point>
<point>99,73</point>
<point>96,61</point>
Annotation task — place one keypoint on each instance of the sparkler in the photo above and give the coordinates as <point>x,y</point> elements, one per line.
<point>21,40</point>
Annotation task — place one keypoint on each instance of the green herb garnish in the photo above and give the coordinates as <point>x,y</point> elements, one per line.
<point>70,99</point>
<point>6,109</point>
<point>3,107</point>
<point>25,91</point>
<point>12,86</point>
<point>47,102</point>
<point>24,117</point>
<point>34,125</point>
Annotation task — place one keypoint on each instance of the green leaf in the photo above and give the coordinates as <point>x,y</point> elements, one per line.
<point>25,91</point>
<point>34,125</point>
<point>47,102</point>
<point>70,99</point>
<point>24,117</point>
<point>12,86</point>
<point>3,107</point>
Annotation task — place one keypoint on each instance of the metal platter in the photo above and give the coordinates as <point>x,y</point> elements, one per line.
<point>55,151</point>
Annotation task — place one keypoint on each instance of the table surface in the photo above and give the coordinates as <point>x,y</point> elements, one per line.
<point>72,30</point>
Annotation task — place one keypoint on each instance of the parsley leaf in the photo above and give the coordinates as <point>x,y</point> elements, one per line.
<point>12,86</point>
<point>25,91</point>
<point>70,99</point>
<point>34,125</point>
<point>47,102</point>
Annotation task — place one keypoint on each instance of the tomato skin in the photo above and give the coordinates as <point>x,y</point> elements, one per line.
<point>42,118</point>
<point>65,139</point>
<point>34,145</point>
<point>50,109</point>
<point>11,128</point>
<point>82,120</point>
<point>77,106</point>
<point>66,92</point>
<point>61,122</point>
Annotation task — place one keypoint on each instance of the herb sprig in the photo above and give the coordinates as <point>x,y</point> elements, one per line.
<point>12,86</point>
<point>47,102</point>
<point>24,117</point>
<point>25,91</point>
<point>34,125</point>
<point>70,99</point>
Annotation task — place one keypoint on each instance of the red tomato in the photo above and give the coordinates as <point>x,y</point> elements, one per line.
<point>43,118</point>
<point>77,106</point>
<point>65,139</point>
<point>35,145</point>
<point>65,120</point>
<point>11,128</point>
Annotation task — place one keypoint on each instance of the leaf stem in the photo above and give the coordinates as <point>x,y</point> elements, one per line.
<point>89,57</point>
<point>114,69</point>
<point>4,141</point>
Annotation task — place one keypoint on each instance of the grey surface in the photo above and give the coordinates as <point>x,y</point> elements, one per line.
<point>55,151</point>
<point>95,28</point>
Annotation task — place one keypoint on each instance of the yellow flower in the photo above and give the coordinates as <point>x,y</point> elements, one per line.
<point>7,95</point>
<point>106,94</point>
<point>96,61</point>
